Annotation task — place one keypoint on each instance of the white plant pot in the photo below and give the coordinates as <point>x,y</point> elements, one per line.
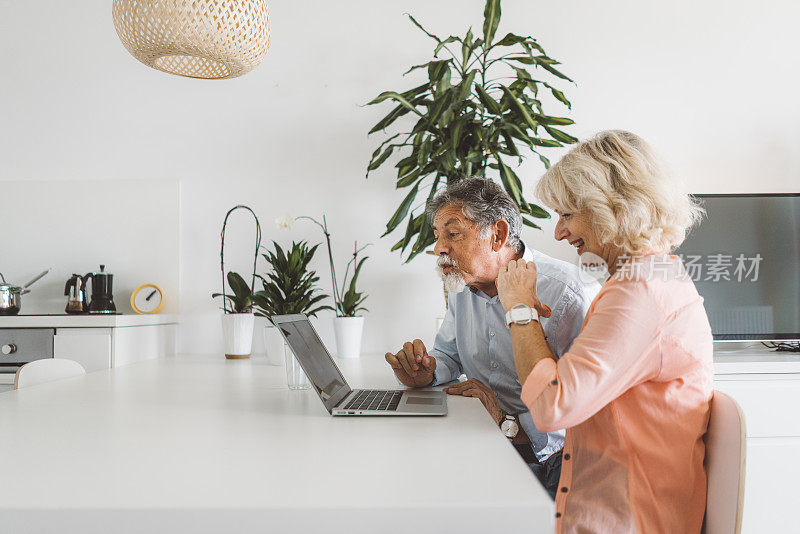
<point>237,333</point>
<point>273,344</point>
<point>348,332</point>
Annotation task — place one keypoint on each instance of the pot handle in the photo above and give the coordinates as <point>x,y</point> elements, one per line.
<point>38,276</point>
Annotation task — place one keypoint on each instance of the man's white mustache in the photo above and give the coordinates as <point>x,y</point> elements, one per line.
<point>446,261</point>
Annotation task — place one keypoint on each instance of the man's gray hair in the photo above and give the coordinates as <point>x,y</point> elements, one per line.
<point>483,202</point>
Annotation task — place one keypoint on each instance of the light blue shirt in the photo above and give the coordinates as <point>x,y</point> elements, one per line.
<point>475,340</point>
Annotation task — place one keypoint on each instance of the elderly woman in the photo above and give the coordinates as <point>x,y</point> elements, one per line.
<point>634,389</point>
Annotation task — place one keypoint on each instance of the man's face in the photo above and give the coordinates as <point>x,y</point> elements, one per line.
<point>464,258</point>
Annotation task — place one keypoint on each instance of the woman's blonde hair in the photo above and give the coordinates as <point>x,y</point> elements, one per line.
<point>635,203</point>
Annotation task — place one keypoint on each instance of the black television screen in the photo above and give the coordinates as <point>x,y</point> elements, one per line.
<point>744,258</point>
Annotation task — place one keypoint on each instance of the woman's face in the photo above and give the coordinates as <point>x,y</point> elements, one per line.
<point>577,229</point>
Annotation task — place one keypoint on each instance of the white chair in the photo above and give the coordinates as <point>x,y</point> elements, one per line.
<point>726,448</point>
<point>46,370</point>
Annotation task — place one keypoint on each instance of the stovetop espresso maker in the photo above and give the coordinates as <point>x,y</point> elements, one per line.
<point>102,300</point>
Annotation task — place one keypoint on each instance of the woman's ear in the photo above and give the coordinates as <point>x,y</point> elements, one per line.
<point>500,234</point>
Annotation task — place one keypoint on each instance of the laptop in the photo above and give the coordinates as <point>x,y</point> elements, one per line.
<point>333,389</point>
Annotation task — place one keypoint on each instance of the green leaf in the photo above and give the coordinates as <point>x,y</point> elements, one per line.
<point>426,32</point>
<point>555,72</point>
<point>465,87</point>
<point>444,43</point>
<point>437,69</point>
<point>510,181</point>
<point>396,97</point>
<point>510,39</point>
<point>562,121</point>
<point>466,48</point>
<point>383,157</point>
<point>491,19</point>
<point>519,108</point>
<point>528,222</point>
<point>489,103</point>
<point>535,211</point>
<point>401,212</point>
<point>238,285</point>
<point>558,135</point>
<point>559,95</point>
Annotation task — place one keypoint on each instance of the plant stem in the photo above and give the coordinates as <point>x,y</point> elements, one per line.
<point>336,298</point>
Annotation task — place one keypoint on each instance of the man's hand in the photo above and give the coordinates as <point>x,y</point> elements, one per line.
<point>516,284</point>
<point>412,365</point>
<point>475,388</point>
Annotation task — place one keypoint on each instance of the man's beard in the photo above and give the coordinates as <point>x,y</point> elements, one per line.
<point>453,281</point>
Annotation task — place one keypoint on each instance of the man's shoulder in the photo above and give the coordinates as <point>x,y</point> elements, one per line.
<point>564,276</point>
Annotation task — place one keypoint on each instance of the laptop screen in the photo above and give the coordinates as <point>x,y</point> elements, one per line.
<point>314,358</point>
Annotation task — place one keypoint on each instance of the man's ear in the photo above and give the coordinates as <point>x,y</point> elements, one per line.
<point>500,234</point>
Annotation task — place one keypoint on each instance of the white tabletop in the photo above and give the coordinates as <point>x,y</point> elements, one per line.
<point>213,445</point>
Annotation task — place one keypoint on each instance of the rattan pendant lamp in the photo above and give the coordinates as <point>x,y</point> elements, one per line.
<point>210,39</point>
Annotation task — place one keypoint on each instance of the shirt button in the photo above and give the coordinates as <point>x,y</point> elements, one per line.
<point>554,382</point>
<point>564,489</point>
<point>494,365</point>
<point>491,334</point>
<point>558,514</point>
<point>566,456</point>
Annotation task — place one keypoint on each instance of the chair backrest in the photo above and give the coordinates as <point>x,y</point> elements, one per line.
<point>46,370</point>
<point>726,447</point>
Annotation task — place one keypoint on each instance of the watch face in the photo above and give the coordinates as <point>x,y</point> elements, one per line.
<point>509,428</point>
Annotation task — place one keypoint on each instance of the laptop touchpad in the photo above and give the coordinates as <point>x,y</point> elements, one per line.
<point>423,400</point>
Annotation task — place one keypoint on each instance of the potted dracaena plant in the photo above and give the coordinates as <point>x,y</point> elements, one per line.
<point>481,108</point>
<point>348,326</point>
<point>289,287</point>
<point>237,317</point>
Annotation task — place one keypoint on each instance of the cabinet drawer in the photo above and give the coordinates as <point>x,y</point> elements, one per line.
<point>28,344</point>
<point>768,403</point>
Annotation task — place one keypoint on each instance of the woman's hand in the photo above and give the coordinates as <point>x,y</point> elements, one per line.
<point>516,284</point>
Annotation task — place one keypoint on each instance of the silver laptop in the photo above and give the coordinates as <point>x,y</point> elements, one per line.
<point>332,388</point>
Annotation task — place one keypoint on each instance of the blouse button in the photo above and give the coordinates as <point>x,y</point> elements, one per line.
<point>567,456</point>
<point>558,514</point>
<point>491,334</point>
<point>564,489</point>
<point>554,383</point>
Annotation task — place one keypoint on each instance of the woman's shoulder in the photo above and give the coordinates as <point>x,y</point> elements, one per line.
<point>660,278</point>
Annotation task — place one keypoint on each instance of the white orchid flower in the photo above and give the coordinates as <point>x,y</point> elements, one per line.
<point>284,222</point>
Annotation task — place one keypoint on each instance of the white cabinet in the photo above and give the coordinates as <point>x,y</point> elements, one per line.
<point>101,342</point>
<point>90,347</point>
<point>102,348</point>
<point>770,400</point>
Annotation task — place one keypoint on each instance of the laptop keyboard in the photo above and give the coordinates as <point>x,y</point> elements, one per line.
<point>375,399</point>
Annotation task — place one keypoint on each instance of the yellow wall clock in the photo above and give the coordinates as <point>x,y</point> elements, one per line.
<point>147,298</point>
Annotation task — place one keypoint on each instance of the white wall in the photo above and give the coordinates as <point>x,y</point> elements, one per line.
<point>711,84</point>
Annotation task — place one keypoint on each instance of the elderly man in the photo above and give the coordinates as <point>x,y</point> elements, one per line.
<point>477,227</point>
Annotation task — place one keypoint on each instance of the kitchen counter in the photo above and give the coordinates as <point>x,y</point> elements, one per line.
<point>201,444</point>
<point>85,321</point>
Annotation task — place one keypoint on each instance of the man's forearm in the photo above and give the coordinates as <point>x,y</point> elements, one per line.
<point>530,347</point>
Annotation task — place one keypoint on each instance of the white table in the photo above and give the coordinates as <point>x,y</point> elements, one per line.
<point>198,444</point>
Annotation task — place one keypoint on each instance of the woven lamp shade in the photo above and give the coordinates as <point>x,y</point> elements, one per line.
<point>210,39</point>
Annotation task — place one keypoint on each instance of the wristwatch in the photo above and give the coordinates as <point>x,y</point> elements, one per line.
<point>510,427</point>
<point>521,314</point>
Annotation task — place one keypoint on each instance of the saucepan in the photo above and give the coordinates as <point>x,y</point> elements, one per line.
<point>11,295</point>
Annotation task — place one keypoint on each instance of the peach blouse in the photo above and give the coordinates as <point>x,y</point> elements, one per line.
<point>634,393</point>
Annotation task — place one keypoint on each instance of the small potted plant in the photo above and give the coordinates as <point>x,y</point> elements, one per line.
<point>348,325</point>
<point>290,287</point>
<point>237,319</point>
